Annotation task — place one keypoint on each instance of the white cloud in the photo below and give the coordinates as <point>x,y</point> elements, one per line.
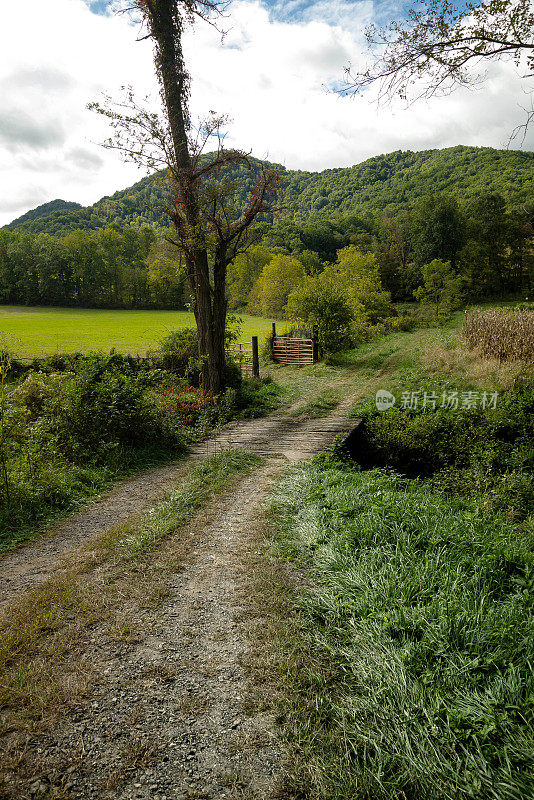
<point>274,88</point>
<point>29,197</point>
<point>346,14</point>
<point>269,75</point>
<point>48,139</point>
<point>19,131</point>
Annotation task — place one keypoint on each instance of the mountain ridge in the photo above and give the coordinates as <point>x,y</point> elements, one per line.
<point>387,182</point>
<point>43,210</point>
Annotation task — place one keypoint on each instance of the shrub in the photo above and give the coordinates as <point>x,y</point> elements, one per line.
<point>36,389</point>
<point>326,308</point>
<point>257,396</point>
<point>74,362</point>
<point>186,403</point>
<point>66,434</point>
<point>266,353</point>
<point>404,322</point>
<point>418,444</point>
<point>485,454</point>
<point>179,353</point>
<point>101,408</point>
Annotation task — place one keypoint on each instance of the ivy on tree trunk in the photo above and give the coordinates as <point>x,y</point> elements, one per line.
<point>207,230</point>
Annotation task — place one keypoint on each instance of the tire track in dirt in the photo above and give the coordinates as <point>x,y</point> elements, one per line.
<point>167,717</point>
<point>31,564</point>
<point>182,687</point>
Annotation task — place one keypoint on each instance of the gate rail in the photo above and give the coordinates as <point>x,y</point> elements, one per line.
<point>295,350</point>
<point>242,354</point>
<point>288,350</point>
<point>246,356</point>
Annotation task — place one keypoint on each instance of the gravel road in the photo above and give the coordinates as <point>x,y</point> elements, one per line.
<point>165,718</point>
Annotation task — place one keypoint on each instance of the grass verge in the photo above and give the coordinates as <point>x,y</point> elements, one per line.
<point>421,359</point>
<point>73,488</point>
<point>407,666</point>
<point>325,402</point>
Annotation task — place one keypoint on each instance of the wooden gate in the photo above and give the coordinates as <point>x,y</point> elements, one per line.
<point>289,350</point>
<point>246,356</point>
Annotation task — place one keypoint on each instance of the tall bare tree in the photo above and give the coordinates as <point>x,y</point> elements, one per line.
<point>208,227</point>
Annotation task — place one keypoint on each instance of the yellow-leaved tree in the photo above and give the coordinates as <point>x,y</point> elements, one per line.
<point>279,277</point>
<point>356,275</point>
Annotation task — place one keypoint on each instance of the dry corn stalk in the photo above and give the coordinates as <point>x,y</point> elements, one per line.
<point>503,333</point>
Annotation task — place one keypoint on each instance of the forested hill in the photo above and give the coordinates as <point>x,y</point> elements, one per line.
<point>45,210</point>
<point>399,178</point>
<point>144,203</point>
<point>386,182</point>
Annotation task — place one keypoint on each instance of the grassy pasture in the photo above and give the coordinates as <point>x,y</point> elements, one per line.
<point>38,331</point>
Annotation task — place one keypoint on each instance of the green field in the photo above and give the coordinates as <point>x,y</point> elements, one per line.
<point>37,331</point>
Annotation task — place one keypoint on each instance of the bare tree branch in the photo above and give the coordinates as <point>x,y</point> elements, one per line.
<point>442,45</point>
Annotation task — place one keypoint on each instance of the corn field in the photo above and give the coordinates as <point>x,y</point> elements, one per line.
<point>503,333</point>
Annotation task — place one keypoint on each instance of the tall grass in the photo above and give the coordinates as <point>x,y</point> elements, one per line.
<point>503,333</point>
<point>412,673</point>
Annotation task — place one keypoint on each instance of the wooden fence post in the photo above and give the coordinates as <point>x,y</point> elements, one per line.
<point>255,358</point>
<point>315,337</point>
<point>273,338</point>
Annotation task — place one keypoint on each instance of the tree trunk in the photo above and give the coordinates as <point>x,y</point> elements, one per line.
<point>210,314</point>
<point>165,26</point>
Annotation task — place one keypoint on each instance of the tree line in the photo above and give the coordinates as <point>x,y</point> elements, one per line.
<point>113,267</point>
<point>488,245</point>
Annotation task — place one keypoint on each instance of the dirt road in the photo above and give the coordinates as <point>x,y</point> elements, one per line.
<point>165,717</point>
<point>278,434</point>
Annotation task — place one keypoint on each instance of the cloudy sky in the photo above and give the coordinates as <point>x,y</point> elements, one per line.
<point>270,75</point>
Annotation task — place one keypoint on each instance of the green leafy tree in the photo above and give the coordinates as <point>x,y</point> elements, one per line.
<point>278,279</point>
<point>491,232</point>
<point>438,230</point>
<point>6,279</point>
<point>441,287</point>
<point>357,275</point>
<point>522,249</point>
<point>394,255</point>
<point>311,262</point>
<point>167,283</point>
<point>325,306</point>
<point>243,271</point>
<point>23,260</point>
<point>89,273</point>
